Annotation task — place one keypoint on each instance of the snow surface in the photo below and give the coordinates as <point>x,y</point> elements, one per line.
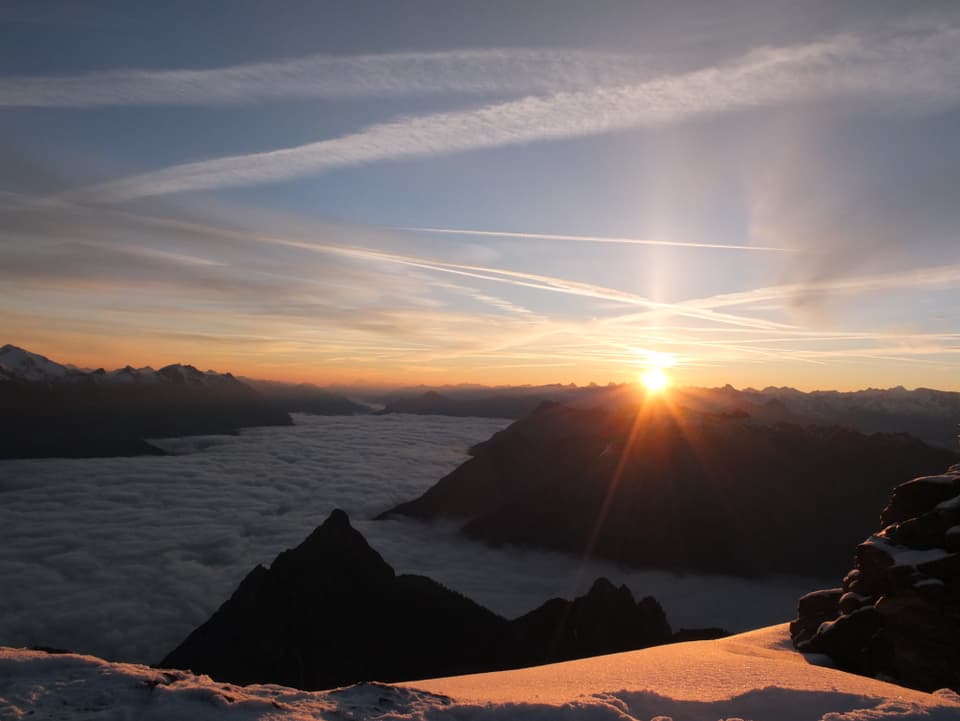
<point>129,375</point>
<point>754,676</point>
<point>19,363</point>
<point>123,557</point>
<point>904,556</point>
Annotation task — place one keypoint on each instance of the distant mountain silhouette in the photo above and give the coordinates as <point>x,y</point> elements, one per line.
<point>433,403</point>
<point>52,410</point>
<point>306,398</point>
<point>930,415</point>
<point>331,612</point>
<point>675,488</point>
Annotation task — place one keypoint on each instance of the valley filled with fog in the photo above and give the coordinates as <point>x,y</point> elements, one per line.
<point>122,557</point>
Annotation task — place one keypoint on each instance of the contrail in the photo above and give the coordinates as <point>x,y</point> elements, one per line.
<point>492,71</point>
<point>597,239</point>
<point>919,69</point>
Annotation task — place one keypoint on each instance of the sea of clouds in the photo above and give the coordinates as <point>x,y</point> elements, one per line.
<point>123,557</point>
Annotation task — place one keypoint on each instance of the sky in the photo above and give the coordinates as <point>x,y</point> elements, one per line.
<point>755,193</point>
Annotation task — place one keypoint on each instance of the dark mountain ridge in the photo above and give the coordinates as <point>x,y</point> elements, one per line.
<point>51,410</point>
<point>657,485</point>
<point>306,398</point>
<point>331,612</point>
<point>433,403</point>
<point>931,415</point>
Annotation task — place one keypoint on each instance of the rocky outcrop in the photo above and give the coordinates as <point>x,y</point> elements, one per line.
<point>331,612</point>
<point>659,485</point>
<point>897,615</point>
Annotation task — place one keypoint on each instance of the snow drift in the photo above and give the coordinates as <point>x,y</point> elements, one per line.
<point>755,676</point>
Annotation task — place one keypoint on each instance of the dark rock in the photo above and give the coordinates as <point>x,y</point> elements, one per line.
<point>848,639</point>
<point>850,602</point>
<point>918,496</point>
<point>907,628</point>
<point>921,532</point>
<point>331,612</point>
<point>944,568</point>
<point>699,634</point>
<point>814,609</point>
<point>51,650</point>
<point>605,620</point>
<point>952,539</point>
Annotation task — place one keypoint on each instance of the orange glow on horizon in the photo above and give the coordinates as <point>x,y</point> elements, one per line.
<point>274,360</point>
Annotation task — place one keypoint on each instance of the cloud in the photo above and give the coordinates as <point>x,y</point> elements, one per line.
<point>122,557</point>
<point>493,71</point>
<point>46,218</point>
<point>594,239</point>
<point>929,278</point>
<point>338,297</point>
<point>915,69</point>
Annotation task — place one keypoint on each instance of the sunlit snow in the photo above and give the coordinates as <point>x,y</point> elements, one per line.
<point>753,676</point>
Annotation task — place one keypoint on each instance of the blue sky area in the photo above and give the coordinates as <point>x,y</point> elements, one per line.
<point>760,192</point>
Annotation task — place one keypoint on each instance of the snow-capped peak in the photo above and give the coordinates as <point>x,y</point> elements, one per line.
<point>21,364</point>
<point>189,375</point>
<point>17,364</point>
<point>130,375</point>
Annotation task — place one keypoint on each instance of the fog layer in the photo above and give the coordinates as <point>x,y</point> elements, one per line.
<point>122,557</point>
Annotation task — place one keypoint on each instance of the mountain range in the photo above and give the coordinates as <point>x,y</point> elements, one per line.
<point>651,483</point>
<point>931,415</point>
<point>331,612</point>
<point>54,410</point>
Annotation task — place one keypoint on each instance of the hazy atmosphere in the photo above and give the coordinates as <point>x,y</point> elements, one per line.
<point>766,191</point>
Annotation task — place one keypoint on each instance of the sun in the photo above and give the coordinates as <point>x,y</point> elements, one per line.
<point>655,380</point>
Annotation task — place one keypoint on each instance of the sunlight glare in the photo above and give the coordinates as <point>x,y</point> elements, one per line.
<point>655,380</point>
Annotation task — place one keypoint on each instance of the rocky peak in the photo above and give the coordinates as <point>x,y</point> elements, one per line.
<point>24,365</point>
<point>337,556</point>
<point>331,612</point>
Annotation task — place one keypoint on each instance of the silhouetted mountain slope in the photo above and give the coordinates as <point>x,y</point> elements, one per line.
<point>679,489</point>
<point>306,398</point>
<point>897,614</point>
<point>50,410</point>
<point>331,612</point>
<point>433,403</point>
<point>930,415</point>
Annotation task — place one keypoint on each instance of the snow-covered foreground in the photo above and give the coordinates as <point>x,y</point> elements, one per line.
<point>755,675</point>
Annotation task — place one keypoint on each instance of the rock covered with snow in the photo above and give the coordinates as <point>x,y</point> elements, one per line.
<point>897,615</point>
